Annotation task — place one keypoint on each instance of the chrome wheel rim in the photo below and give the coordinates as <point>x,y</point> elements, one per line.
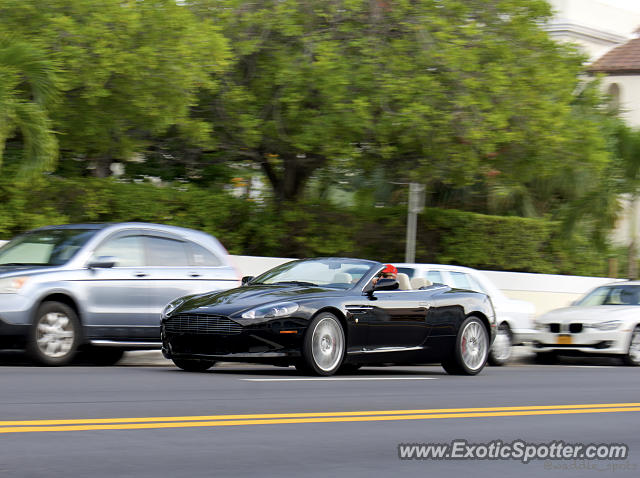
<point>327,344</point>
<point>634,346</point>
<point>473,345</point>
<point>501,348</point>
<point>55,335</point>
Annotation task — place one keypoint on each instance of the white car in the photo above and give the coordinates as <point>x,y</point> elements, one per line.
<point>606,321</point>
<point>514,317</point>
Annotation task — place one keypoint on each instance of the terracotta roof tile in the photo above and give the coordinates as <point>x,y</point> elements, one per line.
<point>622,59</point>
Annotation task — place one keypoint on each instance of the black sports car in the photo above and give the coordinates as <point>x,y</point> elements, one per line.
<point>330,314</point>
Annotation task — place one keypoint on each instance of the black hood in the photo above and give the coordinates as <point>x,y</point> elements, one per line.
<point>232,301</point>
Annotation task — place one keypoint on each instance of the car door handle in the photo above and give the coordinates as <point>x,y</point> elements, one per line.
<point>140,274</point>
<point>194,274</point>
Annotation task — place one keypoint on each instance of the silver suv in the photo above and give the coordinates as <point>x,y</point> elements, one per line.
<point>101,287</point>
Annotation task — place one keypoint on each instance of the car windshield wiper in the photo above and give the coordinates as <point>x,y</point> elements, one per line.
<point>296,282</point>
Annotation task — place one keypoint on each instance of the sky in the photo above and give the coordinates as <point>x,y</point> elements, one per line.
<point>631,5</point>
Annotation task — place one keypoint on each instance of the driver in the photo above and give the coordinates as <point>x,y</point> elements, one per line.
<point>389,272</point>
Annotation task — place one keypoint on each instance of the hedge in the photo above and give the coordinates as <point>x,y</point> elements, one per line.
<point>303,230</point>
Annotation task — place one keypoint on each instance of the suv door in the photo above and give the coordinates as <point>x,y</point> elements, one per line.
<point>179,267</point>
<point>117,298</point>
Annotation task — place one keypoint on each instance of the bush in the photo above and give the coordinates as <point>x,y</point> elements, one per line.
<point>304,229</point>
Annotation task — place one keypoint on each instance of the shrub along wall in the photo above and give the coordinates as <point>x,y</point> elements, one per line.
<point>306,230</point>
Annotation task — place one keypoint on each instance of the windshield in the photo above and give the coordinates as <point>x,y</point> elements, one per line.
<point>333,273</point>
<point>52,247</point>
<point>612,295</point>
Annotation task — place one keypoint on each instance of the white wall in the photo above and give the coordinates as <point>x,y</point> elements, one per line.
<point>546,291</point>
<point>596,25</point>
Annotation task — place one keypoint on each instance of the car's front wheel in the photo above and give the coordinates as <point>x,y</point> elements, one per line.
<point>471,350</point>
<point>54,335</point>
<point>502,346</point>
<point>633,354</point>
<point>324,345</point>
<point>193,365</point>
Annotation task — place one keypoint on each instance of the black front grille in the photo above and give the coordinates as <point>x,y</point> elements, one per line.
<point>554,328</point>
<point>202,324</point>
<point>575,328</point>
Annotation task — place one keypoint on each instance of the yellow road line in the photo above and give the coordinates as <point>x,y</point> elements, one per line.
<point>307,414</point>
<point>294,418</point>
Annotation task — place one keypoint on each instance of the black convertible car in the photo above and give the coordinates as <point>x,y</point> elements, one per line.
<point>328,315</point>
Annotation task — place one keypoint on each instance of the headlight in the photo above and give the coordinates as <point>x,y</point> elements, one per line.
<point>539,325</point>
<point>172,306</point>
<point>12,285</point>
<point>608,325</point>
<point>271,310</point>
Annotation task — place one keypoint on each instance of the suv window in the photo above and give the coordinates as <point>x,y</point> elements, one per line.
<point>127,250</point>
<point>202,257</point>
<point>166,252</point>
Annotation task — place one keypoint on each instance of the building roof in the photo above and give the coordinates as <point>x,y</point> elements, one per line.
<point>624,59</point>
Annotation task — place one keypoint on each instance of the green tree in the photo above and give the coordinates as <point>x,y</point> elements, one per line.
<point>129,70</point>
<point>441,91</point>
<point>27,88</point>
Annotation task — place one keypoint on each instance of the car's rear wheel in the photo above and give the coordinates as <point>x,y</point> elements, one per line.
<point>193,365</point>
<point>502,346</point>
<point>471,350</point>
<point>54,335</point>
<point>633,354</point>
<point>324,345</point>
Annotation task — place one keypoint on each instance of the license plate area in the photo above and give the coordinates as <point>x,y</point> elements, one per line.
<point>564,340</point>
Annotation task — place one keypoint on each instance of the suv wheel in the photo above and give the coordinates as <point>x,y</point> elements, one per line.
<point>55,334</point>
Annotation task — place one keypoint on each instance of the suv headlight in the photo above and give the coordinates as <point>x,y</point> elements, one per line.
<point>271,310</point>
<point>608,325</point>
<point>12,285</point>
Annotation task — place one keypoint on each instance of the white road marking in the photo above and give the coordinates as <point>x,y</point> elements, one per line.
<point>332,379</point>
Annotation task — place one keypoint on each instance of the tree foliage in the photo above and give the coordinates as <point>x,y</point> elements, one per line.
<point>128,70</point>
<point>27,88</point>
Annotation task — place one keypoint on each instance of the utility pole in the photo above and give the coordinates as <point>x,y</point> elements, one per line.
<point>416,205</point>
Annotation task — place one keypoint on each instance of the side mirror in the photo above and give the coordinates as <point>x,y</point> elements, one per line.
<point>247,279</point>
<point>102,262</point>
<point>386,284</point>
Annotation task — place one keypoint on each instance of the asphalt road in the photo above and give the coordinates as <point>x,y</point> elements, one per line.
<point>147,418</point>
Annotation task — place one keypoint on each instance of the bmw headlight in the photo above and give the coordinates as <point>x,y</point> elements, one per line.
<point>271,310</point>
<point>608,325</point>
<point>172,306</point>
<point>12,285</point>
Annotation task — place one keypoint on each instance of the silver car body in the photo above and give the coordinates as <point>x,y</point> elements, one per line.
<point>119,305</point>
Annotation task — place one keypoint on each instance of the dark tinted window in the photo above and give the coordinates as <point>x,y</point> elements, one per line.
<point>166,252</point>
<point>127,250</point>
<point>202,257</point>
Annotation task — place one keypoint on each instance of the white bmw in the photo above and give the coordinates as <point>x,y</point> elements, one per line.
<point>606,321</point>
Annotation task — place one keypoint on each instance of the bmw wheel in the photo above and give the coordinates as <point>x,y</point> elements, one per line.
<point>324,345</point>
<point>633,355</point>
<point>193,365</point>
<point>55,334</point>
<point>502,346</point>
<point>471,349</point>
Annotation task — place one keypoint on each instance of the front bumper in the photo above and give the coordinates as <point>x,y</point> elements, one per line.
<point>272,340</point>
<point>588,341</point>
